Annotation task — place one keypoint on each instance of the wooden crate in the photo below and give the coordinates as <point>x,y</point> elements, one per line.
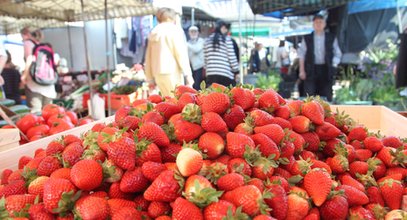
<point>9,158</point>
<point>376,118</point>
<point>9,138</point>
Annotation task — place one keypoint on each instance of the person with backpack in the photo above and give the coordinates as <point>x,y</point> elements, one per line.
<point>39,77</point>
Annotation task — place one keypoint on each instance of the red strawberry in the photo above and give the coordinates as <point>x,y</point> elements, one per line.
<point>156,209</point>
<point>318,185</point>
<point>392,191</point>
<point>287,149</point>
<point>153,133</point>
<point>141,203</point>
<point>167,109</point>
<point>215,102</point>
<point>279,201</point>
<point>48,165</point>
<point>153,117</point>
<point>327,131</point>
<point>37,211</point>
<point>16,203</point>
<point>266,146</point>
<point>312,141</point>
<point>358,212</point>
<point>230,181</point>
<point>300,124</point>
<point>243,97</point>
<point>121,113</point>
<point>236,144</point>
<point>260,117</point>
<point>295,107</point>
<point>13,188</point>
<point>36,187</point>
<point>244,128</point>
<point>147,151</point>
<point>354,196</point>
<point>269,101</point>
<point>127,213</point>
<point>313,215</point>
<point>375,195</point>
<point>103,137</point>
<point>348,180</point>
<point>363,154</point>
<point>151,170</point>
<point>335,208</point>
<point>249,197</point>
<point>24,160</point>
<point>257,183</point>
<point>314,111</point>
<point>57,190</point>
<point>212,122</point>
<point>297,140</point>
<point>169,154</point>
<point>339,164</point>
<point>372,143</point>
<point>298,205</point>
<point>165,187</point>
<point>283,112</point>
<point>181,89</point>
<point>357,133</point>
<point>360,167</point>
<point>63,173</point>
<point>211,144</point>
<point>187,131</point>
<point>219,210</point>
<point>186,98</point>
<point>391,141</point>
<point>122,153</point>
<point>377,210</point>
<point>239,165</point>
<point>4,176</point>
<point>133,181</point>
<point>189,161</point>
<point>183,209</point>
<point>273,131</point>
<point>115,205</point>
<point>91,207</point>
<point>282,122</point>
<point>234,116</point>
<point>155,98</point>
<point>72,154</point>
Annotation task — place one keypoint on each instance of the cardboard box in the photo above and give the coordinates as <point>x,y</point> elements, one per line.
<point>377,118</point>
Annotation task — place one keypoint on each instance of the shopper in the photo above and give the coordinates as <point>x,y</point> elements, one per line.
<point>37,95</point>
<point>319,55</point>
<point>196,55</point>
<point>167,60</point>
<point>220,60</point>
<point>283,59</point>
<point>28,42</point>
<point>12,80</point>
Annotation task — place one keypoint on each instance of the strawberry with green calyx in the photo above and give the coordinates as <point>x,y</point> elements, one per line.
<point>358,212</point>
<point>250,198</point>
<point>165,188</point>
<point>392,191</point>
<point>212,144</point>
<point>111,173</point>
<point>94,153</point>
<point>153,133</point>
<point>354,196</point>
<point>339,163</point>
<point>262,167</point>
<point>336,207</point>
<point>379,212</point>
<point>199,191</point>
<point>36,187</point>
<point>29,175</point>
<point>327,131</point>
<point>357,133</point>
<point>187,131</point>
<point>230,181</point>
<point>259,118</point>
<point>147,151</point>
<point>60,196</point>
<point>313,110</point>
<point>301,124</point>
<point>243,97</point>
<point>278,201</point>
<point>375,195</point>
<point>16,205</point>
<point>103,137</point>
<point>236,144</point>
<point>192,113</point>
<point>186,98</point>
<point>266,146</point>
<point>222,210</point>
<point>216,102</point>
<point>215,171</point>
<point>151,116</point>
<point>72,154</point>
<point>269,101</point>
<point>318,184</point>
<point>122,152</point>
<point>167,109</point>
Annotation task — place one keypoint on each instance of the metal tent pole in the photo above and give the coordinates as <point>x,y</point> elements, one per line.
<point>70,45</point>
<point>85,39</point>
<point>109,99</point>
<point>240,42</point>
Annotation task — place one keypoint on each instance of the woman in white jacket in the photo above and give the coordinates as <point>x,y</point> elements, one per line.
<point>196,55</point>
<point>167,60</point>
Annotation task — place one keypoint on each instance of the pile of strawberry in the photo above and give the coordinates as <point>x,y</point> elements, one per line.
<point>221,153</point>
<point>54,119</point>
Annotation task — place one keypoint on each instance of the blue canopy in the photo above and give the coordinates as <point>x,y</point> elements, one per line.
<point>369,5</point>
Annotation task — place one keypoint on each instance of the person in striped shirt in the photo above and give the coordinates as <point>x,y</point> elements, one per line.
<point>220,59</point>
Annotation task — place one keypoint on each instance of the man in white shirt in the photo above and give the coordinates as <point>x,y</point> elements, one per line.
<point>319,56</point>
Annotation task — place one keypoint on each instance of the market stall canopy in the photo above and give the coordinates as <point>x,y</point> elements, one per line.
<point>284,8</point>
<point>55,12</point>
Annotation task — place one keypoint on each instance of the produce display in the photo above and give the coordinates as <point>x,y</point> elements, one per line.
<point>221,153</point>
<point>54,119</point>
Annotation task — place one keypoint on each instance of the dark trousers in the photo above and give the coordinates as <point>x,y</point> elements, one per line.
<point>319,83</point>
<point>223,80</point>
<point>198,78</point>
